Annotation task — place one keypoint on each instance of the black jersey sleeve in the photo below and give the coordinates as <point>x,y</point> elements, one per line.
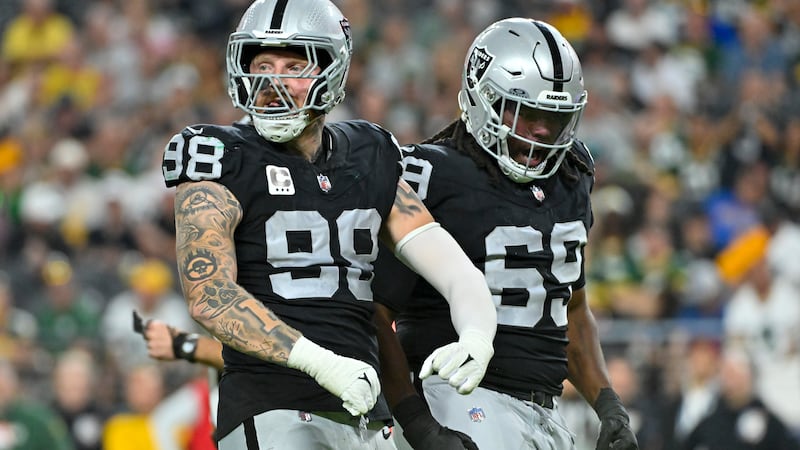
<point>393,282</point>
<point>388,134</point>
<point>201,152</point>
<point>586,156</point>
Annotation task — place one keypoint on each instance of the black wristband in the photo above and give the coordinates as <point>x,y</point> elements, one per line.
<point>184,345</point>
<point>410,408</point>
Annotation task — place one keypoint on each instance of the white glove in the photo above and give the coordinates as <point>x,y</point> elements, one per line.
<point>452,361</point>
<point>352,380</point>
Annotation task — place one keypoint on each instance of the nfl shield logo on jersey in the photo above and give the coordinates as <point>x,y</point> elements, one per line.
<point>324,183</point>
<point>538,193</point>
<point>476,414</point>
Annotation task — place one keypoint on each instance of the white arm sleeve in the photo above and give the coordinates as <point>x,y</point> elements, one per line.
<point>434,254</point>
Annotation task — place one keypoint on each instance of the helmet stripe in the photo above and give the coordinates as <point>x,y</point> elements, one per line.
<point>558,65</point>
<point>277,15</point>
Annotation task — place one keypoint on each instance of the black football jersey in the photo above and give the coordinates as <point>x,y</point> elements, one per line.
<point>527,239</point>
<point>305,247</point>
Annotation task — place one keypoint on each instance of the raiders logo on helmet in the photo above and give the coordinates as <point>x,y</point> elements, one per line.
<point>479,61</point>
<point>348,34</point>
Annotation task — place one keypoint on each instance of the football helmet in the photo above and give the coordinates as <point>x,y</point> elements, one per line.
<point>522,70</point>
<point>313,28</point>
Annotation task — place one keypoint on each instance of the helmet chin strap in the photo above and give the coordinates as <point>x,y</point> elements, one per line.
<point>281,130</point>
<point>504,159</point>
<point>502,135</point>
<point>506,164</point>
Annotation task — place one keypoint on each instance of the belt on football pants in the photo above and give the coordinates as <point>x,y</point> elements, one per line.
<point>354,421</point>
<point>542,399</point>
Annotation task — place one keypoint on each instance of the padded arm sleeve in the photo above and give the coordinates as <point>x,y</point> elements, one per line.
<point>434,254</point>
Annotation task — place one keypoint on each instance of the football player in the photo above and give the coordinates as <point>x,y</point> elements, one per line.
<point>510,181</point>
<point>278,222</point>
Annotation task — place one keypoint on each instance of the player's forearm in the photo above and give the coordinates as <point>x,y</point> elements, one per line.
<point>241,322</point>
<point>434,254</point>
<point>209,352</point>
<point>395,374</point>
<point>206,216</point>
<point>425,247</point>
<point>587,371</point>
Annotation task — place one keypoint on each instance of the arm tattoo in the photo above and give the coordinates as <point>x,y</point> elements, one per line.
<point>406,200</point>
<point>199,265</point>
<point>206,217</point>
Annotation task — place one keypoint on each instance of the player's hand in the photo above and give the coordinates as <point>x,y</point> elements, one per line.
<point>463,363</point>
<point>615,430</point>
<point>352,380</point>
<point>437,437</point>
<point>159,338</point>
<point>423,432</point>
<point>362,392</point>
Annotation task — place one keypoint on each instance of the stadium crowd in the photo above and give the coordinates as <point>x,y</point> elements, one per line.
<point>693,120</point>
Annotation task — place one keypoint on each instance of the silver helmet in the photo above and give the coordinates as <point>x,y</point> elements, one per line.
<point>522,69</point>
<point>313,28</point>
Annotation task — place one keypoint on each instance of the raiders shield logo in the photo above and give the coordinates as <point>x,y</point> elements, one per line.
<point>479,61</point>
<point>348,35</point>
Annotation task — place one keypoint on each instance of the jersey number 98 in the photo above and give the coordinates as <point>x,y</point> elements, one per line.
<point>204,162</point>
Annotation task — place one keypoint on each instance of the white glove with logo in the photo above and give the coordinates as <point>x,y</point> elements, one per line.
<point>352,380</point>
<point>452,362</point>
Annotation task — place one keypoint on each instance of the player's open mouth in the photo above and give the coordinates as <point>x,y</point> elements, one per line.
<point>536,158</point>
<point>269,99</point>
<point>275,106</point>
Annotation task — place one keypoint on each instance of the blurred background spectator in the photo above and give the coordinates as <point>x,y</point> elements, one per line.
<point>739,420</point>
<point>697,394</point>
<point>25,421</point>
<point>579,417</point>
<point>693,120</point>
<point>68,315</point>
<point>77,400</point>
<point>763,320</point>
<point>644,405</point>
<point>131,426</point>
<point>151,293</point>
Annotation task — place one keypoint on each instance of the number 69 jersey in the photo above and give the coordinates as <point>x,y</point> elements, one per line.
<point>305,245</point>
<point>527,239</point>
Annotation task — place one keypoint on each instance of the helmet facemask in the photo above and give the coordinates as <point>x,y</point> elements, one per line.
<point>283,119</point>
<point>541,155</point>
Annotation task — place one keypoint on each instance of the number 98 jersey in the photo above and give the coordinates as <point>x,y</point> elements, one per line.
<point>305,245</point>
<point>527,239</point>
